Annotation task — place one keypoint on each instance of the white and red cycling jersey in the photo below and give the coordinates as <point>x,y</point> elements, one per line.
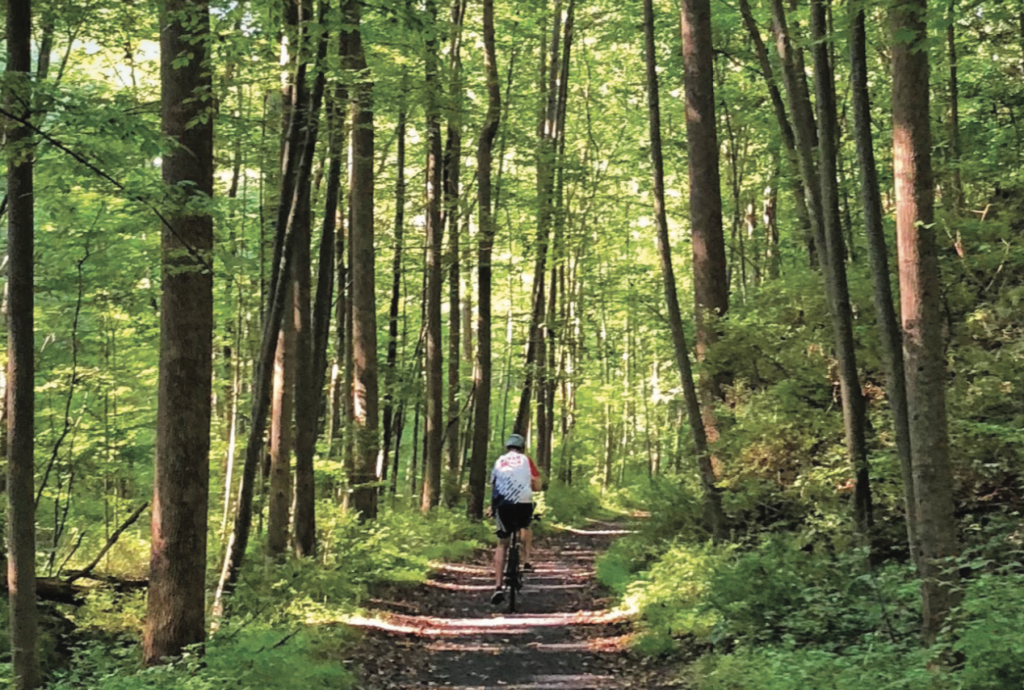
<point>511,478</point>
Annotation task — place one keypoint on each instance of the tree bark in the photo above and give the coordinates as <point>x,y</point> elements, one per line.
<point>279,502</point>
<point>549,127</point>
<point>804,128</point>
<point>714,514</point>
<point>435,231</point>
<point>710,282</point>
<point>364,310</point>
<point>482,379</point>
<point>878,255</point>
<point>452,170</point>
<point>390,371</point>
<point>954,110</point>
<point>312,328</point>
<point>785,128</point>
<point>833,268</point>
<point>21,530</point>
<point>921,312</point>
<point>176,611</point>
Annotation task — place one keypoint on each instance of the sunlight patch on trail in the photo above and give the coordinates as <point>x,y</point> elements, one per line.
<point>586,681</point>
<point>430,626</point>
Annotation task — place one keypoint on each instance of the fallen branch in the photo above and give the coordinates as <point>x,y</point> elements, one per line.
<point>87,570</point>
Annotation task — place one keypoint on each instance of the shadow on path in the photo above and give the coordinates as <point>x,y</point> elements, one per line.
<point>446,635</point>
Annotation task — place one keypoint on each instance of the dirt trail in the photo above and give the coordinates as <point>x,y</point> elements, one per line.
<point>445,634</point>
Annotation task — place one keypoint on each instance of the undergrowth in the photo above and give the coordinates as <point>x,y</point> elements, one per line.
<point>285,624</point>
<point>787,610</point>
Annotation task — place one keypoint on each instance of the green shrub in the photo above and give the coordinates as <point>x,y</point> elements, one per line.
<point>779,591</point>
<point>253,658</point>
<point>990,636</point>
<point>570,505</point>
<point>879,666</point>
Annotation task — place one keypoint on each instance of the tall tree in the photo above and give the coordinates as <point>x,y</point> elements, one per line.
<point>364,306</point>
<point>714,514</point>
<point>21,526</point>
<point>435,232</point>
<point>920,295</point>
<point>833,267</point>
<point>785,128</point>
<point>390,371</point>
<point>311,329</point>
<point>878,255</point>
<point>482,378</point>
<point>176,611</point>
<point>710,276</point>
<point>451,217</point>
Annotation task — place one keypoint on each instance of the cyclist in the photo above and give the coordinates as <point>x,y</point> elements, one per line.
<point>514,479</point>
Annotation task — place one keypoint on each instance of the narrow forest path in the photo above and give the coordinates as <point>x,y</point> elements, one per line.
<point>445,634</point>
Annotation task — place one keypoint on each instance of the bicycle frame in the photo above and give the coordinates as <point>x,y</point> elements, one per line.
<point>513,574</point>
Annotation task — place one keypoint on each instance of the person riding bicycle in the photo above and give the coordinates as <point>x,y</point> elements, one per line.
<point>514,479</point>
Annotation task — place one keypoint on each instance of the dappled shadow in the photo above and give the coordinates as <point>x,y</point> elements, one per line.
<point>565,637</point>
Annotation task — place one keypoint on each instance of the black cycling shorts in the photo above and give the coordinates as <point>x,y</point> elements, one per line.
<point>512,517</point>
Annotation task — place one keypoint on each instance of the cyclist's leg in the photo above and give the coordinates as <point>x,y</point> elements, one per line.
<point>500,553</point>
<point>526,536</point>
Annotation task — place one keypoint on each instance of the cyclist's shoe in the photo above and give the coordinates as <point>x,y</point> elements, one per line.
<point>527,567</point>
<point>498,596</point>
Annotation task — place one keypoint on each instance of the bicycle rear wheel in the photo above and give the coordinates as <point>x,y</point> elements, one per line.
<point>512,577</point>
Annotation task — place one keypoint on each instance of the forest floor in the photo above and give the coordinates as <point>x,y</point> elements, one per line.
<point>445,634</point>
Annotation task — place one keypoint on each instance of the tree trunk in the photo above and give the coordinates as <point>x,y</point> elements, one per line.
<point>710,283</point>
<point>279,502</point>
<point>549,128</point>
<point>390,371</point>
<point>452,170</point>
<point>263,370</point>
<point>954,110</point>
<point>785,128</point>
<point>176,611</point>
<point>311,323</point>
<point>21,529</point>
<point>920,295</point>
<point>365,429</point>
<point>712,499</point>
<point>482,380</point>
<point>435,231</point>
<point>804,132</point>
<point>833,268</point>
<point>878,255</point>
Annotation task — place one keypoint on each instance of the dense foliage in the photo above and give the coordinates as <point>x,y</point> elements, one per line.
<point>797,598</point>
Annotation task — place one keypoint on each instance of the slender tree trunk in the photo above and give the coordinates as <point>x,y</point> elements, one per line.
<point>714,514</point>
<point>954,110</point>
<point>286,359</point>
<point>263,372</point>
<point>804,129</point>
<point>20,404</point>
<point>452,170</point>
<point>365,430</point>
<point>176,611</point>
<point>435,231</point>
<point>785,128</point>
<point>549,128</point>
<point>281,441</point>
<point>311,320</point>
<point>482,380</point>
<point>834,270</point>
<point>920,295</point>
<point>390,371</point>
<point>878,255</point>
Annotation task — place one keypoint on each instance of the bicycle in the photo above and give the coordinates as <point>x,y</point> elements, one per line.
<point>513,569</point>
